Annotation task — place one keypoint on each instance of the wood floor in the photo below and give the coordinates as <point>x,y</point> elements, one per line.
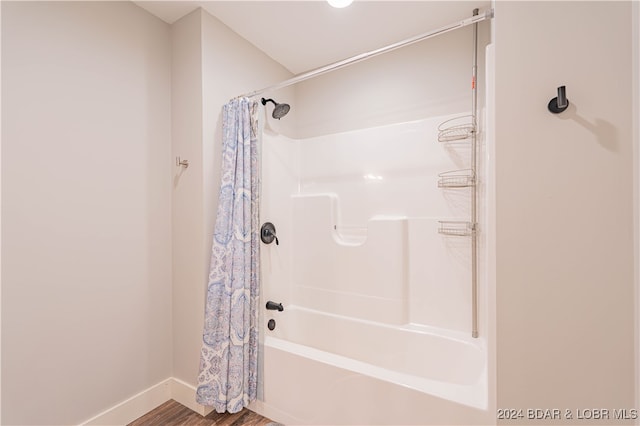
<point>172,413</point>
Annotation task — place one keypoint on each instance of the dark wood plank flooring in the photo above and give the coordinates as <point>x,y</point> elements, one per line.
<point>172,413</point>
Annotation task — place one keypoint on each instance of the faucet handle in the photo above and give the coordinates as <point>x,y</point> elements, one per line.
<point>268,233</point>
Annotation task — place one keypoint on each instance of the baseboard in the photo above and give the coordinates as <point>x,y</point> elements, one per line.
<point>140,404</point>
<point>185,394</point>
<point>134,407</point>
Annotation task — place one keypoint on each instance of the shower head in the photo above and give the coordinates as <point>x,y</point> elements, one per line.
<point>279,111</point>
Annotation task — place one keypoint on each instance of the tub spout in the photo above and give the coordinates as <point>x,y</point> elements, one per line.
<point>273,306</point>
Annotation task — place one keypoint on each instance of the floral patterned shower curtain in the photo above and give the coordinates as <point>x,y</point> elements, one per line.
<point>229,357</point>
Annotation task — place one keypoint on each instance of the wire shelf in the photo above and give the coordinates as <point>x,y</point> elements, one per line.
<point>457,179</point>
<point>456,129</point>
<point>456,228</point>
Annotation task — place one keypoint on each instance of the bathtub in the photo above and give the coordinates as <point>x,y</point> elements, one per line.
<point>330,369</point>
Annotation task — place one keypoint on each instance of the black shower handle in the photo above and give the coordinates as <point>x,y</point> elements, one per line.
<point>268,233</point>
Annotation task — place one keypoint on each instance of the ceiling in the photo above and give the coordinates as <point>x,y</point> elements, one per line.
<point>304,35</point>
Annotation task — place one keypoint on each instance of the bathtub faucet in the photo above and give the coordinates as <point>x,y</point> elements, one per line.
<point>273,306</point>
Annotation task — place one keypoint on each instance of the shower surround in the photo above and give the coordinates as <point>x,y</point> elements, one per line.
<point>377,302</point>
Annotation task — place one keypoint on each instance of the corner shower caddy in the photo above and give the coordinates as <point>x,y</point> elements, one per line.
<point>456,130</point>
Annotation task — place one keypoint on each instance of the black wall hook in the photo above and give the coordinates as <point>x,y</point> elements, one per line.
<point>559,104</point>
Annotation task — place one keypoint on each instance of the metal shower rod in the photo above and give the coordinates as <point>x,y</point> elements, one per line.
<point>488,14</point>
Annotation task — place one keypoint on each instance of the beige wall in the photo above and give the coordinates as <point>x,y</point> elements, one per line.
<point>211,65</point>
<point>565,286</point>
<point>86,237</point>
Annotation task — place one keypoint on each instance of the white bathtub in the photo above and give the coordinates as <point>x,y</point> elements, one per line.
<point>330,369</point>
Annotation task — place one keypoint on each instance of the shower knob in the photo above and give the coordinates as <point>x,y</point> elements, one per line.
<point>268,233</point>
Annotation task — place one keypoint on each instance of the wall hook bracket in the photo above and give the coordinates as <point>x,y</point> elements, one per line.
<point>560,103</point>
<point>183,163</point>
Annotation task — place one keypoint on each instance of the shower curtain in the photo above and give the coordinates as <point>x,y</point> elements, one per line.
<point>229,357</point>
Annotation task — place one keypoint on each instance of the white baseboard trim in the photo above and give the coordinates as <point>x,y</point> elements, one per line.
<point>134,407</point>
<point>185,394</point>
<point>140,404</point>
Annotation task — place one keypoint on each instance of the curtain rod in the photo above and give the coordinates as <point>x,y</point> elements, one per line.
<point>488,14</point>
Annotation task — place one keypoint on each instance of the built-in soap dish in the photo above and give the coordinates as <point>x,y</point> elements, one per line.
<point>351,235</point>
